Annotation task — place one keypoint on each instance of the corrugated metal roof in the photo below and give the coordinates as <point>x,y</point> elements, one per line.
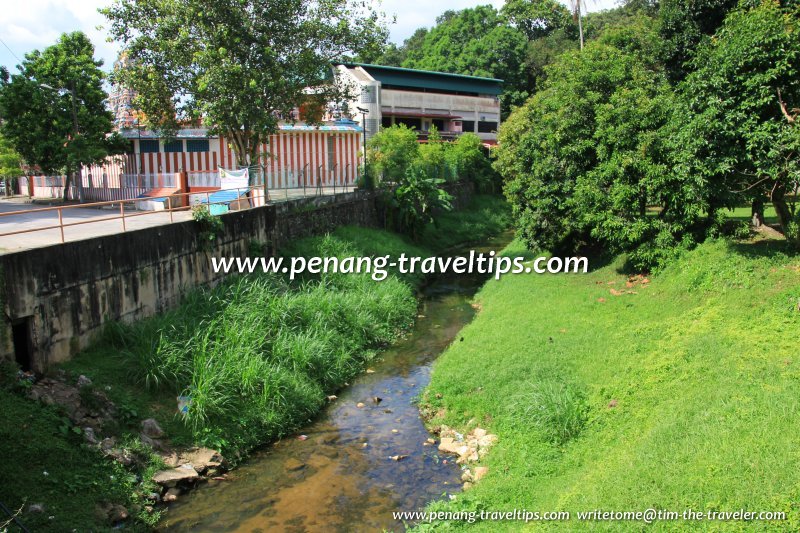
<point>428,79</point>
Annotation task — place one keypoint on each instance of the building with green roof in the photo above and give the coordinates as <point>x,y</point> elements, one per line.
<point>422,99</point>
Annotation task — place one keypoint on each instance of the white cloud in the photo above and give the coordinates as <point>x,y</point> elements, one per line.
<point>26,25</point>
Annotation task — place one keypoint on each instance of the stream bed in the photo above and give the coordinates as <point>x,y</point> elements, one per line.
<point>338,474</point>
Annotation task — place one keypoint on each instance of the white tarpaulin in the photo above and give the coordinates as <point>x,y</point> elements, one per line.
<point>233,179</point>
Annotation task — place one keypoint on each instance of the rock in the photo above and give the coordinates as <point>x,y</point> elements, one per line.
<point>463,451</point>
<point>152,443</point>
<point>612,404</point>
<point>360,405</point>
<point>480,471</point>
<point>293,465</point>
<point>88,434</point>
<point>200,458</point>
<point>478,433</point>
<point>121,456</point>
<point>466,476</point>
<point>36,508</point>
<point>116,513</point>
<point>154,496</point>
<point>170,478</point>
<point>448,445</point>
<point>487,440</point>
<point>467,485</point>
<point>151,428</point>
<point>107,443</point>
<point>170,459</point>
<point>83,381</point>
<point>172,494</point>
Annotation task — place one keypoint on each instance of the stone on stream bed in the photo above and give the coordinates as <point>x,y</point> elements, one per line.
<point>469,448</point>
<point>170,478</point>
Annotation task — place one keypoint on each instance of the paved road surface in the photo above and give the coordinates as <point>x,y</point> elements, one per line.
<point>92,224</point>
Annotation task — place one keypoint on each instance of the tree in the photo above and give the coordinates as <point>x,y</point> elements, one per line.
<point>237,66</point>
<point>10,163</point>
<point>683,25</point>
<point>737,127</point>
<point>583,159</point>
<point>391,152</point>
<point>536,18</point>
<point>53,111</point>
<point>476,42</point>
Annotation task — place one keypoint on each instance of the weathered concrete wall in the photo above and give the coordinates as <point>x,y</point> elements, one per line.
<point>63,294</point>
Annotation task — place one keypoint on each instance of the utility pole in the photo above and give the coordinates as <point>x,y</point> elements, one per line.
<point>364,135</point>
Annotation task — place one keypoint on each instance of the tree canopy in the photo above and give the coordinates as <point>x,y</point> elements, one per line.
<point>239,67</point>
<point>54,111</point>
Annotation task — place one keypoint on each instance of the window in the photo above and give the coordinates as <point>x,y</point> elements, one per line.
<point>386,122</point>
<point>487,127</point>
<point>439,124</point>
<point>173,146</point>
<point>468,126</point>
<point>413,123</point>
<point>148,146</point>
<point>331,149</point>
<point>197,145</point>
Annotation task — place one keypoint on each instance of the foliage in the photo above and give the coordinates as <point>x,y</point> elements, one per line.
<point>391,151</point>
<point>211,226</point>
<point>683,26</point>
<point>536,18</point>
<point>238,67</point>
<point>486,216</point>
<point>735,129</point>
<point>555,408</point>
<point>10,163</point>
<point>67,125</point>
<point>417,197</point>
<point>477,42</point>
<point>584,159</point>
<point>44,465</point>
<point>688,362</point>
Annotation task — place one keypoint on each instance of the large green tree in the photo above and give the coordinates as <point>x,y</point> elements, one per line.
<point>583,159</point>
<point>476,42</point>
<point>737,125</point>
<point>54,111</point>
<point>237,65</point>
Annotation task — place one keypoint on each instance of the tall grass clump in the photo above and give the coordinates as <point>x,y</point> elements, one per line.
<point>557,409</point>
<point>257,356</point>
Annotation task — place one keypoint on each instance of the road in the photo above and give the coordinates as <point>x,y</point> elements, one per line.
<point>93,222</point>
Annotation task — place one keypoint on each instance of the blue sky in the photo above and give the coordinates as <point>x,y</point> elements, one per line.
<point>26,25</point>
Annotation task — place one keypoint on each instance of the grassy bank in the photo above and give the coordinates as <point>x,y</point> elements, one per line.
<point>616,394</point>
<point>257,355</point>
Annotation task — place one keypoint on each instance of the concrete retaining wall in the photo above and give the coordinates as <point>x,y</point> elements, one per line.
<point>56,298</point>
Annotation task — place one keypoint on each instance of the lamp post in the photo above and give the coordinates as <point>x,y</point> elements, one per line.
<point>71,91</point>
<point>364,135</point>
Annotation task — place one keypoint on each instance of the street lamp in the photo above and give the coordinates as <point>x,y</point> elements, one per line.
<point>74,127</point>
<point>364,132</point>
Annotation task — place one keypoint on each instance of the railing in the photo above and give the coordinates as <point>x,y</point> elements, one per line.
<point>445,135</point>
<point>173,203</point>
<point>127,209</point>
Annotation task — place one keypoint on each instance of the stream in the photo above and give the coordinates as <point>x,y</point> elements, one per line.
<point>342,476</point>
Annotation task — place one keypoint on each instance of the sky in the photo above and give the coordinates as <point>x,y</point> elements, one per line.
<point>27,25</point>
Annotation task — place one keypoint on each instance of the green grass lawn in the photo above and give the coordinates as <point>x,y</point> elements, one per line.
<point>682,394</point>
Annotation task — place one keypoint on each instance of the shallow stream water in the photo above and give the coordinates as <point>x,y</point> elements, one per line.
<point>342,476</point>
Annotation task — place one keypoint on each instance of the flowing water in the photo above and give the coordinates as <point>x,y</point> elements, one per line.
<point>343,477</point>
